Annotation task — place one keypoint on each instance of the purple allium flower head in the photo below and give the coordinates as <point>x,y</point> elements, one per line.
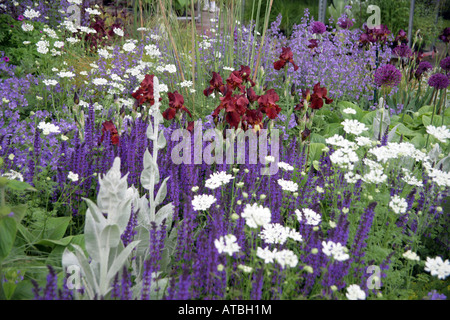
<point>318,27</point>
<point>423,67</point>
<point>438,81</point>
<point>445,64</point>
<point>6,59</point>
<point>387,76</point>
<point>403,51</point>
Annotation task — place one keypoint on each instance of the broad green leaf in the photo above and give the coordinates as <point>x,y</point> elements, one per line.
<point>315,151</point>
<point>8,229</point>
<point>51,243</point>
<point>17,185</point>
<point>418,141</point>
<point>19,212</point>
<point>165,212</point>
<point>8,289</point>
<point>55,228</point>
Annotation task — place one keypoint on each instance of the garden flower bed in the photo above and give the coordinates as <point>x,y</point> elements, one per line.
<point>155,162</point>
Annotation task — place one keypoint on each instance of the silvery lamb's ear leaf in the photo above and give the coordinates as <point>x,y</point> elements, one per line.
<point>161,140</point>
<point>110,237</point>
<point>143,236</point>
<point>150,134</point>
<point>92,232</point>
<point>143,214</point>
<point>150,170</point>
<point>165,212</point>
<point>434,153</point>
<point>95,211</point>
<point>120,215</point>
<point>162,192</point>
<point>392,133</point>
<point>445,163</point>
<point>86,268</point>
<point>158,288</point>
<point>377,120</point>
<point>69,259</point>
<point>120,260</point>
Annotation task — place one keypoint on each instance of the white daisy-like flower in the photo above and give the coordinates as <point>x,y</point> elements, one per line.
<point>186,84</point>
<point>363,141</point>
<point>398,204</point>
<point>354,292</point>
<point>276,233</point>
<point>155,37</point>
<point>340,141</point>
<point>160,69</point>
<point>31,14</point>
<point>93,11</point>
<point>50,82</point>
<point>104,53</point>
<point>351,177</point>
<point>349,111</point>
<point>288,185</point>
<point>152,50</point>
<point>170,68</point>
<point>438,267</point>
<point>440,133</point>
<point>42,46</point>
<point>228,68</point>
<point>410,179</point>
<point>58,44</point>
<point>256,215</point>
<point>203,202</point>
<point>286,258</point>
<point>336,250</point>
<point>411,256</point>
<point>344,157</point>
<point>66,74</point>
<point>312,218</point>
<point>72,176</point>
<point>129,46</point>
<point>285,166</point>
<point>266,254</point>
<point>13,175</point>
<point>244,268</point>
<point>218,179</point>
<point>75,1</point>
<point>99,81</point>
<point>354,126</point>
<point>376,176</point>
<point>269,159</point>
<point>27,27</point>
<point>118,31</point>
<point>51,33</point>
<point>72,40</point>
<point>227,244</point>
<point>48,128</point>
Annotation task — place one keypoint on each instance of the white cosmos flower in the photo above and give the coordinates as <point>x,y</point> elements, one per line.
<point>129,46</point>
<point>100,81</point>
<point>218,179</point>
<point>31,14</point>
<point>27,27</point>
<point>48,128</point>
<point>354,292</point>
<point>398,204</point>
<point>42,46</point>
<point>50,82</point>
<point>312,218</point>
<point>227,244</point>
<point>440,133</point>
<point>285,166</point>
<point>66,74</point>
<point>354,126</point>
<point>203,202</point>
<point>72,176</point>
<point>411,256</point>
<point>336,250</point>
<point>288,185</point>
<point>170,68</point>
<point>438,267</point>
<point>266,254</point>
<point>276,233</point>
<point>118,31</point>
<point>256,215</point>
<point>186,84</point>
<point>349,111</point>
<point>152,50</point>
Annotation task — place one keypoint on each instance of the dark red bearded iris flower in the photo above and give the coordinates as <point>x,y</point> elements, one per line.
<point>253,118</point>
<point>145,92</point>
<point>108,126</point>
<point>235,80</point>
<point>316,99</point>
<point>176,103</point>
<point>216,84</point>
<point>286,56</point>
<point>267,104</point>
<point>245,73</point>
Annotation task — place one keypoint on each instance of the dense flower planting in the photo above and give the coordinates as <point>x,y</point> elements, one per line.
<point>314,166</point>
